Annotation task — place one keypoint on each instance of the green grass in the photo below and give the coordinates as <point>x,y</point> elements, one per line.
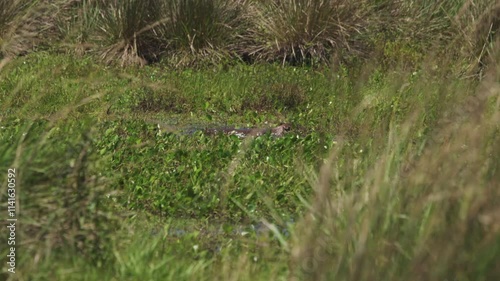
<point>399,170</point>
<point>390,171</point>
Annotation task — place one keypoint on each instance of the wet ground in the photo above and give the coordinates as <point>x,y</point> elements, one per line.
<point>259,228</point>
<point>177,127</point>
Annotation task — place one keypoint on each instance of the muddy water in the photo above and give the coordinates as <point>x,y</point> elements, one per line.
<point>212,129</point>
<point>222,229</point>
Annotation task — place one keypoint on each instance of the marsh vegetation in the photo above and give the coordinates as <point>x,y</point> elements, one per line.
<point>390,170</point>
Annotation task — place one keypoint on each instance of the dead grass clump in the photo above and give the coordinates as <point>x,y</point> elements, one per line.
<point>25,24</point>
<point>305,30</point>
<point>125,30</point>
<point>477,24</point>
<point>202,32</point>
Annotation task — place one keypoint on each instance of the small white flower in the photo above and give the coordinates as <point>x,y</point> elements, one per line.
<point>195,248</point>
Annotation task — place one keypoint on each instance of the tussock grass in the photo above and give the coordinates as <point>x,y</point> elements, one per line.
<point>125,30</point>
<point>77,25</point>
<point>301,30</point>
<point>200,33</point>
<point>479,26</point>
<point>204,30</point>
<point>24,24</point>
<point>9,11</point>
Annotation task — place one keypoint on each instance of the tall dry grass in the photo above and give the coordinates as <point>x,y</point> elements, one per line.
<point>125,30</point>
<point>19,21</point>
<point>213,32</point>
<point>305,29</point>
<point>203,31</point>
<point>423,211</point>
